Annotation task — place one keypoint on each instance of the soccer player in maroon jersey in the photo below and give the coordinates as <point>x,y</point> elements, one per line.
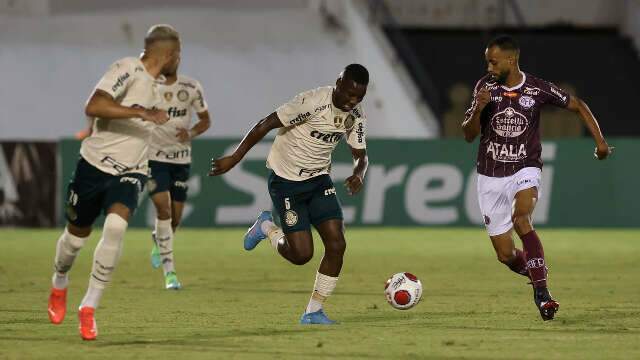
<point>505,112</point>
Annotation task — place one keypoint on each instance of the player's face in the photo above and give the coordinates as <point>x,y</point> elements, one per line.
<point>348,94</point>
<point>499,63</point>
<point>173,52</point>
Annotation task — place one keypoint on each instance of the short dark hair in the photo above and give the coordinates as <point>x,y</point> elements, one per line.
<point>504,42</point>
<point>356,72</point>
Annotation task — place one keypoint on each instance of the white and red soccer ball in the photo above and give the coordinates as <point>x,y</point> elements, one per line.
<point>403,290</point>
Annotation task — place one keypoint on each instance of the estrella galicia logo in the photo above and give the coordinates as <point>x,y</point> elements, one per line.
<point>120,81</point>
<point>300,118</point>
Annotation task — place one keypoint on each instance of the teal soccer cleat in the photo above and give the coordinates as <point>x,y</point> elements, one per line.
<point>156,261</point>
<point>171,281</point>
<point>318,317</point>
<point>255,234</point>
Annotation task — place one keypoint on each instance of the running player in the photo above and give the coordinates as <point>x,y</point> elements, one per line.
<point>505,113</point>
<point>310,126</point>
<point>112,169</point>
<point>170,162</point>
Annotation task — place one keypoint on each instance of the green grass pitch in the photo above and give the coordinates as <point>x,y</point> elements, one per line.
<point>245,305</point>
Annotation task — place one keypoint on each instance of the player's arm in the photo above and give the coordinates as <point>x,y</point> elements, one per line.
<point>103,106</point>
<point>360,165</point>
<point>471,126</point>
<point>204,123</point>
<point>259,130</point>
<point>578,106</point>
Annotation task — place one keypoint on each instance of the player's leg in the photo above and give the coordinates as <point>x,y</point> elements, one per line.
<point>525,201</point>
<point>496,208</point>
<point>508,254</point>
<point>159,184</point>
<point>121,200</point>
<point>83,193</point>
<point>177,208</point>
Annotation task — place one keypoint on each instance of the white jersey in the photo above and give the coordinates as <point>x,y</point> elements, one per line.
<point>312,129</point>
<point>118,146</point>
<point>179,99</point>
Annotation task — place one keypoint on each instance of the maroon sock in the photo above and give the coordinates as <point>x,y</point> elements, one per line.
<point>519,264</point>
<point>534,254</point>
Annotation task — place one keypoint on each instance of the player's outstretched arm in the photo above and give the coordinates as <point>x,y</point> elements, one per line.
<point>103,106</point>
<point>259,130</point>
<point>471,124</point>
<point>578,106</point>
<point>360,165</point>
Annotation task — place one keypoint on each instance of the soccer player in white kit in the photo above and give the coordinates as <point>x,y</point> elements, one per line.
<point>112,169</point>
<point>309,128</point>
<point>170,162</point>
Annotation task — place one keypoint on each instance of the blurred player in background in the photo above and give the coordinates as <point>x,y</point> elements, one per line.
<point>112,169</point>
<point>505,112</point>
<point>170,162</point>
<point>310,126</point>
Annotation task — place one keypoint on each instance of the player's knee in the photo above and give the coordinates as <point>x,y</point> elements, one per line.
<point>163,213</point>
<point>336,248</point>
<point>521,222</point>
<point>505,257</point>
<point>302,256</point>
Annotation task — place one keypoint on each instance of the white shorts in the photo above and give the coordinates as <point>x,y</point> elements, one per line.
<point>496,195</point>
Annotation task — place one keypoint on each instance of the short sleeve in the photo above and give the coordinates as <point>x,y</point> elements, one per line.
<point>299,109</point>
<point>357,136</point>
<point>198,102</point>
<point>117,79</point>
<point>554,95</point>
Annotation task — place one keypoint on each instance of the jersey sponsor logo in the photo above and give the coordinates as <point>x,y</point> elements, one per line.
<point>330,138</point>
<point>558,93</point>
<point>330,191</point>
<point>506,152</point>
<point>168,96</point>
<point>533,91</point>
<point>299,118</point>
<point>491,86</point>
<point>496,98</point>
<point>321,107</point>
<point>356,113</point>
<point>139,68</point>
<point>176,112</point>
<point>174,155</point>
<point>526,101</point>
<point>183,95</point>
<point>360,133</point>
<point>186,84</point>
<point>200,98</point>
<point>180,184</point>
<point>510,94</point>
<point>509,123</point>
<point>119,167</point>
<point>120,81</point>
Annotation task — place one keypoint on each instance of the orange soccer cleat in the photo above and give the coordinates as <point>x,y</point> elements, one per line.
<point>57,305</point>
<point>88,327</point>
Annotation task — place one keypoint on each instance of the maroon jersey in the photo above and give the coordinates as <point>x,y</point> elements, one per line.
<point>510,123</point>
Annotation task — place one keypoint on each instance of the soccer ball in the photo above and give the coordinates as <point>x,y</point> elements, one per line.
<point>403,291</point>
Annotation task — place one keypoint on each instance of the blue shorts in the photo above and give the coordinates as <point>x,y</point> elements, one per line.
<point>169,177</point>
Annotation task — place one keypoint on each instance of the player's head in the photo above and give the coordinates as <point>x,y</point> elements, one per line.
<point>502,56</point>
<point>351,87</point>
<point>163,41</point>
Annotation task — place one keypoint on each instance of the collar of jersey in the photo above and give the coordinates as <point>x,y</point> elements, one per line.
<point>524,78</point>
<point>161,79</point>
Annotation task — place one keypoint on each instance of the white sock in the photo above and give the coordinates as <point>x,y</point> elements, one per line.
<point>322,288</point>
<point>67,249</point>
<point>274,233</point>
<point>105,258</point>
<point>164,240</point>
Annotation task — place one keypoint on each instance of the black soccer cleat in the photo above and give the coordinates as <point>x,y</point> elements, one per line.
<point>546,305</point>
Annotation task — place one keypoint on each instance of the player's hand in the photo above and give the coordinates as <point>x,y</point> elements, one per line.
<point>603,150</point>
<point>482,98</point>
<point>222,165</point>
<point>353,184</point>
<point>155,116</point>
<point>183,135</point>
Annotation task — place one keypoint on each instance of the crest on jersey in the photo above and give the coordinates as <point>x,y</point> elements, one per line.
<point>348,122</point>
<point>168,96</point>
<point>290,217</point>
<point>526,101</point>
<point>183,95</point>
<point>337,121</point>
